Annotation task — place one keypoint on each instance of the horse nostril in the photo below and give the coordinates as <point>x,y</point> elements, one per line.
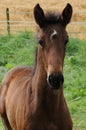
<point>55,81</point>
<point>61,78</point>
<point>51,79</point>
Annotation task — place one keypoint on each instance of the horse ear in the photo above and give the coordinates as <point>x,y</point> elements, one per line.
<point>39,15</point>
<point>66,14</point>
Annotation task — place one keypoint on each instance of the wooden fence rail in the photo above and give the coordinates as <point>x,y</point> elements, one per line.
<point>9,23</point>
<point>8,20</point>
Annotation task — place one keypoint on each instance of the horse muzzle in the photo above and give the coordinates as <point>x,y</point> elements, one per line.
<point>55,81</point>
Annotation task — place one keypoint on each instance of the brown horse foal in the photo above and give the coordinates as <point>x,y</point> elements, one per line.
<point>31,98</point>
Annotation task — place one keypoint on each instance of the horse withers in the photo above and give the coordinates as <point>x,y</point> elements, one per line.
<point>32,98</point>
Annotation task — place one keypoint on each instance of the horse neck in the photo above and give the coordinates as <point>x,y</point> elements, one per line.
<point>40,76</point>
<point>39,69</point>
<point>42,92</point>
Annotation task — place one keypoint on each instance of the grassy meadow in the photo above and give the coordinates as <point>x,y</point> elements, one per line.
<point>19,49</point>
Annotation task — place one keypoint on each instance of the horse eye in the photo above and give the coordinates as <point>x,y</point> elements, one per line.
<point>41,42</point>
<point>66,41</point>
<point>54,36</point>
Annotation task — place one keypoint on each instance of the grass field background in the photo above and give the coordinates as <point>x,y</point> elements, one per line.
<point>19,50</point>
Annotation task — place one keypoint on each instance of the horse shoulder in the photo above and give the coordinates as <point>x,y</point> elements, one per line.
<point>10,77</point>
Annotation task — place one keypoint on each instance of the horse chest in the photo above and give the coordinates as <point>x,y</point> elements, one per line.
<point>45,121</point>
<point>42,126</point>
<point>48,126</point>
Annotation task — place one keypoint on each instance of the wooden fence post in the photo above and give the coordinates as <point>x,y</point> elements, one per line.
<point>8,20</point>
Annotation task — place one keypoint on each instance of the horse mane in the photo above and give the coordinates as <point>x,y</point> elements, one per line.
<point>36,54</point>
<point>52,18</point>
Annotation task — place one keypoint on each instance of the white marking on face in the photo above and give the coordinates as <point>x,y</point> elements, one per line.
<point>53,34</point>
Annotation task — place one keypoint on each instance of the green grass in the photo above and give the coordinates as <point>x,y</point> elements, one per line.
<point>20,50</point>
<point>75,81</point>
<point>16,50</point>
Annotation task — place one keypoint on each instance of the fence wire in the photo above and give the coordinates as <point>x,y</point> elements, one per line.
<point>15,25</point>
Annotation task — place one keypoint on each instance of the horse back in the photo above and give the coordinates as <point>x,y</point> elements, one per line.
<point>13,91</point>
